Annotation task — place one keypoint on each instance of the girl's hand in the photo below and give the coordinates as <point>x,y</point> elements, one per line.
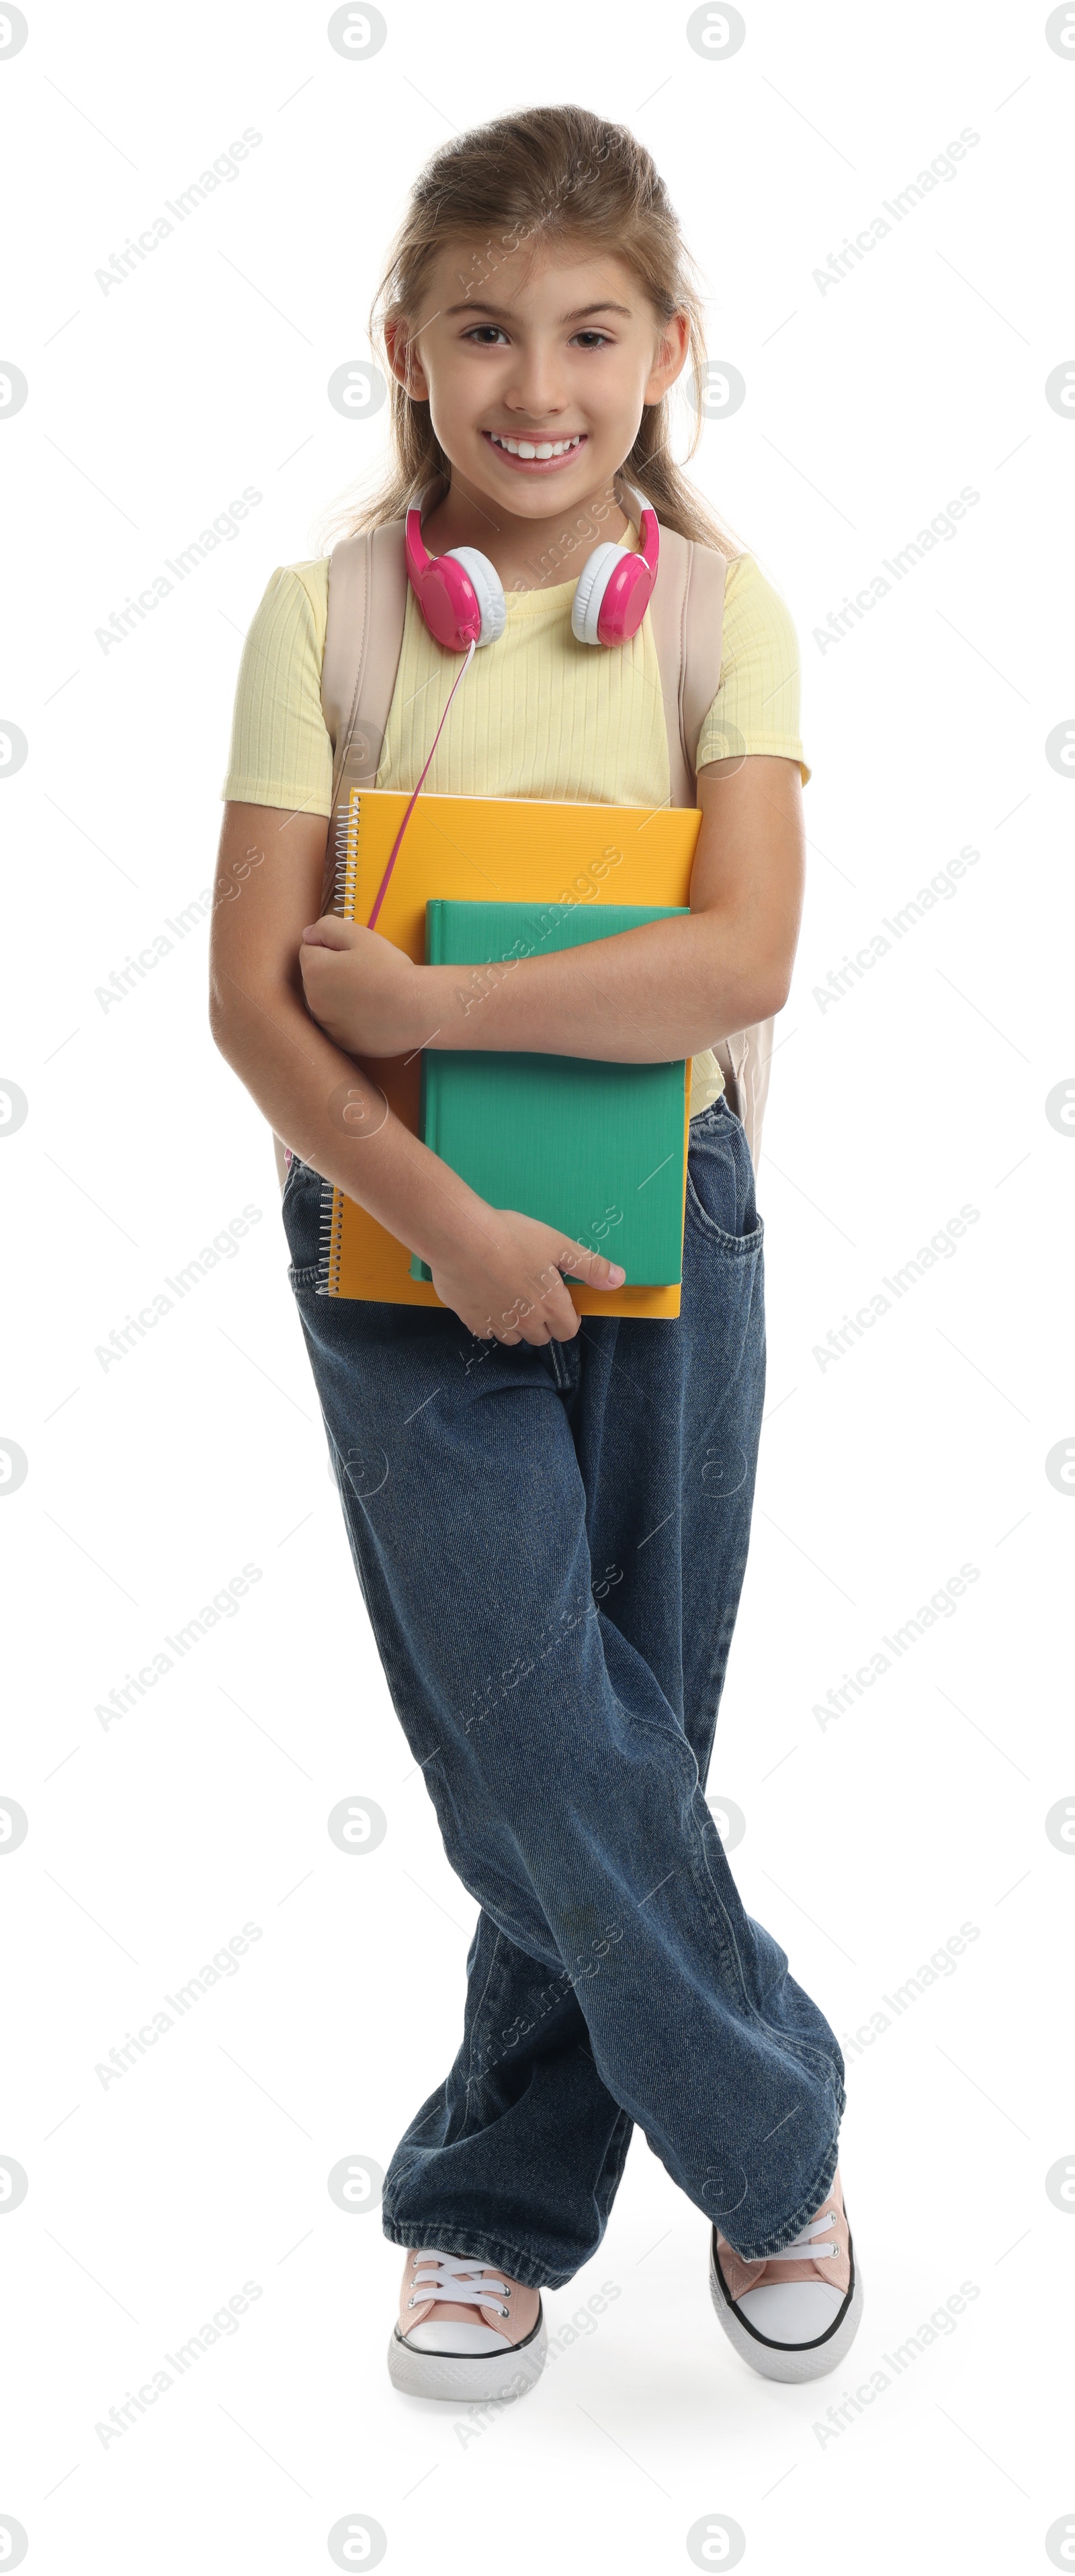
<point>366,994</point>
<point>505,1280</point>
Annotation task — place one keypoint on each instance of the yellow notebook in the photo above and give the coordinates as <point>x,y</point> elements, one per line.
<point>474,848</point>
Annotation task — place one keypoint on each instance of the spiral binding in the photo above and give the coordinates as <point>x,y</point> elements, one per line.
<point>345,876</point>
<point>345,873</point>
<point>330,1242</point>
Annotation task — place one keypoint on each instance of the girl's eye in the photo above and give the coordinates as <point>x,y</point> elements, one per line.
<point>486,333</point>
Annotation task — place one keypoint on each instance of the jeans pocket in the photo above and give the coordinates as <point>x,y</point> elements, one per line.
<point>721,1203</point>
<point>300,1208</point>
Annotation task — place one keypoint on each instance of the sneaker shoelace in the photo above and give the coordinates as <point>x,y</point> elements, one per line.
<point>807,2246</point>
<point>452,2277</point>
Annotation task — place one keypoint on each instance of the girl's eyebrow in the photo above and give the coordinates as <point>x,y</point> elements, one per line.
<point>498,314</point>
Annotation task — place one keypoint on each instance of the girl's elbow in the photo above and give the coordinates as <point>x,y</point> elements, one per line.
<point>752,978</point>
<point>224,1017</point>
<point>771,994</point>
<point>218,1014</point>
<point>761,995</point>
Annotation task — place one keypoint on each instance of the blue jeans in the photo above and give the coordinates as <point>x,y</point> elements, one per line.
<point>551,1546</point>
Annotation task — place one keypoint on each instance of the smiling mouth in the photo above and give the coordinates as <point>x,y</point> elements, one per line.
<point>535,451</point>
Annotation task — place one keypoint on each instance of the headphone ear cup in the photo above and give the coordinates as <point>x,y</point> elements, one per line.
<point>488,589</point>
<point>590,590</point>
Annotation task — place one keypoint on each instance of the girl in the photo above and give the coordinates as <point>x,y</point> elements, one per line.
<point>553,1561</point>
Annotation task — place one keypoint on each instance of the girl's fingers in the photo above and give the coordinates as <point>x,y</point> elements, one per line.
<point>329,932</point>
<point>591,1266</point>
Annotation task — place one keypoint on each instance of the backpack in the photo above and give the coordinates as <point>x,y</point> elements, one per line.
<point>367,597</point>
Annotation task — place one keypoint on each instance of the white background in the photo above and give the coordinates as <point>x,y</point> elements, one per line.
<point>150,1483</point>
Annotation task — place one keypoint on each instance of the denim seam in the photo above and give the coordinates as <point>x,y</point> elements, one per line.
<point>613,2176</point>
<point>740,1244</point>
<point>671,1736</point>
<point>752,2011</point>
<point>690,1460</point>
<point>729,1944</point>
<point>297,1173</point>
<point>519,1934</point>
<point>801,2048</point>
<point>498,1936</point>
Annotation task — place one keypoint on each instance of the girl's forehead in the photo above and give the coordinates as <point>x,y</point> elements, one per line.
<point>555,277</point>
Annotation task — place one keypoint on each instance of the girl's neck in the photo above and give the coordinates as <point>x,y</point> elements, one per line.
<point>528,554</point>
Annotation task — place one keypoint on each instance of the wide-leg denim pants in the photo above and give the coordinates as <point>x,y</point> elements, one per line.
<point>551,1546</point>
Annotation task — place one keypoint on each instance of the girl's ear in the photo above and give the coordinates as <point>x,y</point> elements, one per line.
<point>403,358</point>
<point>673,344</point>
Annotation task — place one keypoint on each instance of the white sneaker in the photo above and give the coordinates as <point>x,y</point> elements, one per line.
<point>465,2330</point>
<point>794,2316</point>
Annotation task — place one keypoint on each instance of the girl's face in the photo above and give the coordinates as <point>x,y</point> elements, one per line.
<point>556,353</point>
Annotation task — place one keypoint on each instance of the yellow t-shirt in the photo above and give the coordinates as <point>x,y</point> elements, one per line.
<point>538,715</point>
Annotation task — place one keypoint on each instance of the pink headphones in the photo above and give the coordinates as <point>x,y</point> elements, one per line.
<point>462,600</point>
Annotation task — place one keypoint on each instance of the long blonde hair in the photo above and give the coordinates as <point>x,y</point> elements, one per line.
<point>547,176</point>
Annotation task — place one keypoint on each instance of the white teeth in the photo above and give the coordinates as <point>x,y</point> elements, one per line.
<point>524,447</point>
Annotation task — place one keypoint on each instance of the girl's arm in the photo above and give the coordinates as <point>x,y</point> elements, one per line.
<point>668,989</point>
<point>500,1271</point>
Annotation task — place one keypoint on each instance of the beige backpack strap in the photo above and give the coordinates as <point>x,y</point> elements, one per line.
<point>702,641</point>
<point>668,619</point>
<point>686,615</point>
<point>367,599</point>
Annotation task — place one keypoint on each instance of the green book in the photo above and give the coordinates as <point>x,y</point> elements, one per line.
<point>593,1147</point>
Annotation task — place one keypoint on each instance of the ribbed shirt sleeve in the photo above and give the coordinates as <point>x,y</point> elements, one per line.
<point>756,708</point>
<point>280,750</point>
